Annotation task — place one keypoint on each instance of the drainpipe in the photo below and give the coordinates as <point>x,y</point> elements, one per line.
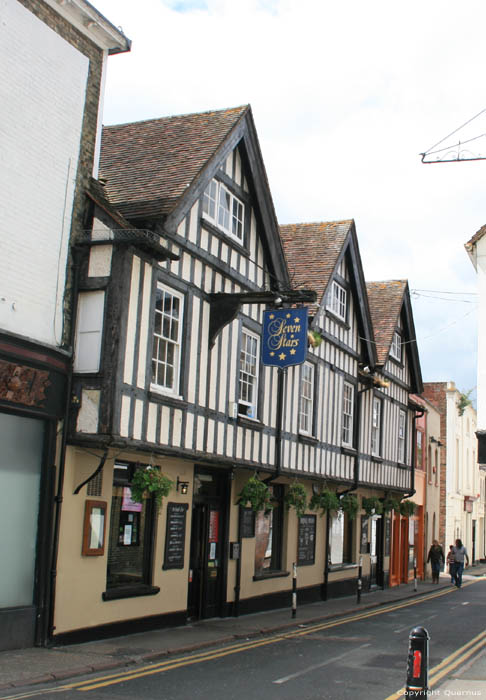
<point>418,414</point>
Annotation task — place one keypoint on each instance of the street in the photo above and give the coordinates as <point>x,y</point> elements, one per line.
<point>363,655</point>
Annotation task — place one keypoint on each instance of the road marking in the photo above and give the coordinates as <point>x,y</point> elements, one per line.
<point>201,657</point>
<point>303,672</point>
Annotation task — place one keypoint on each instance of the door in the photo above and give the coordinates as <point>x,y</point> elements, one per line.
<point>207,563</point>
<point>473,557</point>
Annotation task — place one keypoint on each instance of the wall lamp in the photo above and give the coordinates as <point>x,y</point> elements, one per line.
<point>437,442</point>
<point>184,485</point>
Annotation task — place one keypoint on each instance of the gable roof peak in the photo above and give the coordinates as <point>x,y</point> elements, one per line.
<point>149,164</point>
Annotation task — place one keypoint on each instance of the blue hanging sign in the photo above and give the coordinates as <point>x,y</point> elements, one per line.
<point>284,341</point>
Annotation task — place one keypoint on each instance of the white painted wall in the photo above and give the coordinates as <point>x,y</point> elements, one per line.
<point>41,111</point>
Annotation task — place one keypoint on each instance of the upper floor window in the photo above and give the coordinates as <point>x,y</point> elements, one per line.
<point>420,450</point>
<point>89,331</point>
<point>402,423</point>
<point>396,347</point>
<point>348,406</point>
<point>224,209</point>
<point>337,301</point>
<point>248,375</point>
<point>376,427</point>
<point>166,351</point>
<point>306,408</point>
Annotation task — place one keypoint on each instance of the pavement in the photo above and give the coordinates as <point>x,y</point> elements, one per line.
<point>38,665</point>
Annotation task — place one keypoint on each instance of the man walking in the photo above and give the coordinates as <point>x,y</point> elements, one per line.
<point>460,557</point>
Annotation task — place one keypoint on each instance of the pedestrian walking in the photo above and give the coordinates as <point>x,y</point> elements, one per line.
<point>451,563</point>
<point>436,558</point>
<point>461,559</point>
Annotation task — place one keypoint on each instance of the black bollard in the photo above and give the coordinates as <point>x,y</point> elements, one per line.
<point>360,580</point>
<point>294,590</point>
<point>418,664</point>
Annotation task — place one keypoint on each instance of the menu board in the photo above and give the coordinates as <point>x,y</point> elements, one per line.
<point>363,543</point>
<point>387,536</point>
<point>247,522</point>
<point>175,536</point>
<point>306,545</point>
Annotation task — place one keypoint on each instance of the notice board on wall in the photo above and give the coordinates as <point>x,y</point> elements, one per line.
<point>175,536</point>
<point>306,543</point>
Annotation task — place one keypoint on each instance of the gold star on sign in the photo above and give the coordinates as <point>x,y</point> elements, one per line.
<point>272,354</point>
<point>292,352</point>
<point>288,315</point>
<point>297,320</point>
<point>271,316</point>
<point>282,356</point>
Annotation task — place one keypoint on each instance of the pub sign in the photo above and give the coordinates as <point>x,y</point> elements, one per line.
<point>284,341</point>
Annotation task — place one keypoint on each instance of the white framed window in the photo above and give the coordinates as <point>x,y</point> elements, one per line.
<point>166,348</point>
<point>338,300</point>
<point>376,427</point>
<point>224,209</point>
<point>89,330</point>
<point>348,411</point>
<point>306,408</point>
<point>396,347</point>
<point>248,374</point>
<point>402,429</point>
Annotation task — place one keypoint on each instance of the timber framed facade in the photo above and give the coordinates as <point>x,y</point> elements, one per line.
<point>181,256</point>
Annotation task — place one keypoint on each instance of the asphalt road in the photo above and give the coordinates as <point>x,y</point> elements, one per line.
<point>363,656</point>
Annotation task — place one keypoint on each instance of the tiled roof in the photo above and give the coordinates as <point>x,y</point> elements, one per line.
<point>97,193</point>
<point>477,236</point>
<point>148,165</point>
<point>312,251</point>
<point>385,301</point>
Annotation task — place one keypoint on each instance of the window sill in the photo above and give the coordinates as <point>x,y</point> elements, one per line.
<point>271,574</point>
<point>228,238</point>
<point>307,439</point>
<point>249,423</point>
<point>170,399</point>
<point>129,592</point>
<point>341,567</point>
<point>337,319</point>
<point>351,451</point>
<point>377,459</point>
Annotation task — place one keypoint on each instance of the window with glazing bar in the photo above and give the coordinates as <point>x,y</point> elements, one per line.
<point>166,350</point>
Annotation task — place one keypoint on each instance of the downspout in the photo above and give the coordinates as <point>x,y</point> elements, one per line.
<point>62,456</point>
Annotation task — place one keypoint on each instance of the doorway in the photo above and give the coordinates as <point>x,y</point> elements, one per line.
<point>208,563</point>
<point>376,551</point>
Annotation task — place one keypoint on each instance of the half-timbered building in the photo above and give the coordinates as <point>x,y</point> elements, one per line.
<point>391,443</point>
<point>181,256</point>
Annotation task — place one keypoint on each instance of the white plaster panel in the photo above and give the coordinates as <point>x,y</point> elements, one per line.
<point>152,422</point>
<point>42,99</point>
<point>164,425</point>
<point>125,416</point>
<point>137,423</point>
<point>177,428</point>
<point>88,415</point>
<point>100,261</point>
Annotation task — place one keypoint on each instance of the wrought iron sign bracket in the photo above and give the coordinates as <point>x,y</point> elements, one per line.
<point>225,307</point>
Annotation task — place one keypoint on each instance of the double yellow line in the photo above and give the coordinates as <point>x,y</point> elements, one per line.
<point>239,647</point>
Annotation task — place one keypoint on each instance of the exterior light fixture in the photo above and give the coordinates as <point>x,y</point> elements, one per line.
<point>184,486</point>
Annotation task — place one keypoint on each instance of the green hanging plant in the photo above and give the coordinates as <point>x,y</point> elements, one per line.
<point>372,505</point>
<point>257,494</point>
<point>390,503</point>
<point>408,508</point>
<point>296,497</point>
<point>150,481</point>
<point>314,338</point>
<point>324,501</point>
<point>349,504</point>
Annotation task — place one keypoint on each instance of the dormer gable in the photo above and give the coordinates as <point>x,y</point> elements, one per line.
<point>394,328</point>
<point>325,257</point>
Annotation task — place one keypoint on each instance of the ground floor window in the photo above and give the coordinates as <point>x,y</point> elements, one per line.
<point>269,536</point>
<point>131,533</point>
<point>341,539</point>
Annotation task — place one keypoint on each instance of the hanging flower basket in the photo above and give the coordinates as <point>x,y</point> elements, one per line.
<point>314,338</point>
<point>349,504</point>
<point>324,501</point>
<point>408,508</point>
<point>256,494</point>
<point>390,504</point>
<point>372,505</point>
<point>151,482</point>
<point>296,497</point>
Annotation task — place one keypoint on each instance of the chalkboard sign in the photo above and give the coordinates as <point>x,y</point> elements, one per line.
<point>387,536</point>
<point>363,544</point>
<point>247,522</point>
<point>306,545</point>
<point>175,536</point>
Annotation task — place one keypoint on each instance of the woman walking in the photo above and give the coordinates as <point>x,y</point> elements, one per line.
<point>436,558</point>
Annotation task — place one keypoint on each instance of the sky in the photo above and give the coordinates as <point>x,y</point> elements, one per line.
<point>345,97</point>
